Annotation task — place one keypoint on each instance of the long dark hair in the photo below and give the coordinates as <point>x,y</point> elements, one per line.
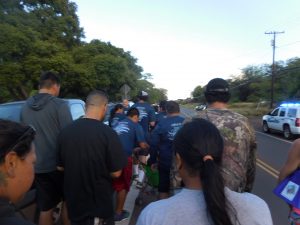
<point>113,112</point>
<point>194,141</point>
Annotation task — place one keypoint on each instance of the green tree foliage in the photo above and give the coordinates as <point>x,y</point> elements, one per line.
<point>35,36</point>
<point>254,84</point>
<point>198,94</point>
<point>155,94</point>
<point>41,35</point>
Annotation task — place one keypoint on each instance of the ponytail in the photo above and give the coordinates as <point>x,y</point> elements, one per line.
<point>200,145</point>
<point>213,190</point>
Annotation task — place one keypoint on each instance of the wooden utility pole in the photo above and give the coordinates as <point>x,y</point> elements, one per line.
<point>273,64</point>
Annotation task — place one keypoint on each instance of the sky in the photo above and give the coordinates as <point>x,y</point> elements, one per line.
<point>185,43</point>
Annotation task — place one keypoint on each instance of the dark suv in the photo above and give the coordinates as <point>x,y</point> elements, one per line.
<point>12,110</point>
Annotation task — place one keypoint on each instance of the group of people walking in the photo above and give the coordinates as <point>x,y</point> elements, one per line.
<point>83,163</point>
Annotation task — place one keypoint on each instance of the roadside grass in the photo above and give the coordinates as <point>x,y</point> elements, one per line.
<point>248,109</point>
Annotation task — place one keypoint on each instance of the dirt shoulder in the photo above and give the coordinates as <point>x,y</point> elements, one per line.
<point>256,122</point>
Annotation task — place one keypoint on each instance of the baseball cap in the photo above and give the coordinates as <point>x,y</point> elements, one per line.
<point>143,94</point>
<point>217,85</point>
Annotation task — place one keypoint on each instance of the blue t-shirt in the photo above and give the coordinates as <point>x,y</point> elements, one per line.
<point>147,115</point>
<point>116,119</point>
<point>130,134</point>
<point>160,116</point>
<point>162,138</point>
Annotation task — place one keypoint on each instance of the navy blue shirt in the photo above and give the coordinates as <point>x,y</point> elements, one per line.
<point>162,138</point>
<point>147,115</point>
<point>130,134</point>
<point>160,116</point>
<point>116,119</point>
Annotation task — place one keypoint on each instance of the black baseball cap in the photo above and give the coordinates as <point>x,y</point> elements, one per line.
<point>217,85</point>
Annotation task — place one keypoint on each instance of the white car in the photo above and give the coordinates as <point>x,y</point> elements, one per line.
<point>285,119</point>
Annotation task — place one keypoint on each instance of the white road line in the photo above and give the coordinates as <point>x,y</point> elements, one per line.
<point>274,137</point>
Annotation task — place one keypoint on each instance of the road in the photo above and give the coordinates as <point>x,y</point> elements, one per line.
<point>272,153</point>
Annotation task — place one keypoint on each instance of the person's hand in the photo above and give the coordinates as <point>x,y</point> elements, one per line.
<point>136,150</point>
<point>60,168</point>
<point>154,167</point>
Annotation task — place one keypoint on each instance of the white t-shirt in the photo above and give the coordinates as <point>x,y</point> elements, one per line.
<point>189,207</point>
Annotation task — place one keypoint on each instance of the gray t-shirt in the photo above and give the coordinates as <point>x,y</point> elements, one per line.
<point>188,207</point>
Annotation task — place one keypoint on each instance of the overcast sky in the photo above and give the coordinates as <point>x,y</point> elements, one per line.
<point>186,43</point>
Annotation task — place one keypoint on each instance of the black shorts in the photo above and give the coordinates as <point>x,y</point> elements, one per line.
<point>164,179</point>
<point>49,189</point>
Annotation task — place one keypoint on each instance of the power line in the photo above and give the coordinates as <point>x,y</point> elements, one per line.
<point>266,75</point>
<point>273,63</point>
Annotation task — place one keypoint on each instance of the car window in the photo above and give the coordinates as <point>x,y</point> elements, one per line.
<point>77,110</point>
<point>282,112</point>
<point>275,112</point>
<point>292,112</point>
<point>11,112</point>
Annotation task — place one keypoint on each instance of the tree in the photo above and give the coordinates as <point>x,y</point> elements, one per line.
<point>41,35</point>
<point>35,36</point>
<point>198,94</point>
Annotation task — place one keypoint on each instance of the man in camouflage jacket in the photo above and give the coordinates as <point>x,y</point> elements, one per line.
<point>239,156</point>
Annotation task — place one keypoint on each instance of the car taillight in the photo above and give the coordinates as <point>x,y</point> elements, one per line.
<point>297,122</point>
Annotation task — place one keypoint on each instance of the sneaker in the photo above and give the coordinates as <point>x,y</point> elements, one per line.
<point>123,216</point>
<point>139,185</point>
<point>135,176</point>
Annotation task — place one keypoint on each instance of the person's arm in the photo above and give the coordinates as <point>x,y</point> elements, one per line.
<point>116,174</point>
<point>140,137</point>
<point>155,138</point>
<point>60,162</point>
<point>293,161</point>
<point>116,158</point>
<point>64,115</point>
<point>144,145</point>
<point>152,117</point>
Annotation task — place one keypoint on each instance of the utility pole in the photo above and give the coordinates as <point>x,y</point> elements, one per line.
<point>273,43</point>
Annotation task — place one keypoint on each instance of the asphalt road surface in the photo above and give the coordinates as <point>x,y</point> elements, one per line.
<point>272,154</point>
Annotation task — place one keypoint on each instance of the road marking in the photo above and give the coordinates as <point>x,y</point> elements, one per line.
<point>266,167</point>
<point>274,137</point>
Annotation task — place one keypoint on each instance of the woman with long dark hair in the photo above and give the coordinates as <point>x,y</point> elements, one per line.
<point>198,146</point>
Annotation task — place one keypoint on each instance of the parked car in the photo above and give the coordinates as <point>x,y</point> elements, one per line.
<point>285,119</point>
<point>200,107</point>
<point>12,110</point>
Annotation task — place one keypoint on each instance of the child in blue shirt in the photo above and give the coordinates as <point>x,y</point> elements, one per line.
<point>131,135</point>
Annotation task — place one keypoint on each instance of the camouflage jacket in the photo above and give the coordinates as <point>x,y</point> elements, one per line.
<point>239,156</point>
